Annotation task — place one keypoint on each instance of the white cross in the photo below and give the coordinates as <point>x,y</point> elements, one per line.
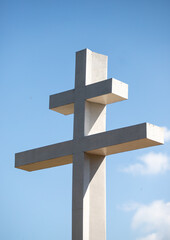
<point>91,144</point>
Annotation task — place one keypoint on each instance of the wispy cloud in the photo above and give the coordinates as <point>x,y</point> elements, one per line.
<point>151,163</point>
<point>166,134</point>
<point>131,206</point>
<point>152,236</point>
<point>152,221</point>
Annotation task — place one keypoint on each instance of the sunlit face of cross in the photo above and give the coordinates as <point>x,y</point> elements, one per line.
<point>90,144</point>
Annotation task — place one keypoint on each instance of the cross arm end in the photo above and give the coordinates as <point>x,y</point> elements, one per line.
<point>107,91</point>
<point>62,102</point>
<point>124,139</point>
<point>45,157</point>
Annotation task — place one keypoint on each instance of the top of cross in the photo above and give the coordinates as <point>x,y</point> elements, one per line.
<point>94,85</point>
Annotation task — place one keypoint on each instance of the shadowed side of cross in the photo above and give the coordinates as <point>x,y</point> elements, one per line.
<point>90,144</point>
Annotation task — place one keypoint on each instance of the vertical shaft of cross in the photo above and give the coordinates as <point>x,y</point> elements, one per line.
<point>89,190</point>
<point>78,157</point>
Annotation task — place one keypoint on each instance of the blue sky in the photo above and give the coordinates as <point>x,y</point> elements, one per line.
<point>38,41</point>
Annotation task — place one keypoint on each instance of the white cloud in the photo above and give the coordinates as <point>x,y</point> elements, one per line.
<point>166,134</point>
<point>151,163</point>
<point>130,206</point>
<point>152,221</point>
<point>152,236</point>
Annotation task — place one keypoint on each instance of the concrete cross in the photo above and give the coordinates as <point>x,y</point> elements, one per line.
<point>91,144</point>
